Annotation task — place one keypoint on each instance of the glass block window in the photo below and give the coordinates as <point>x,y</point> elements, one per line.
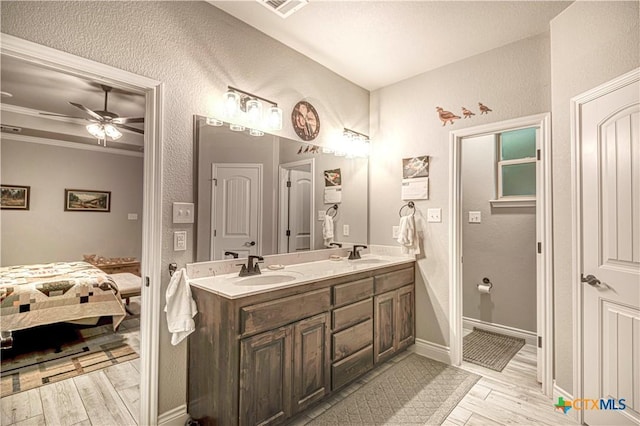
<point>517,164</point>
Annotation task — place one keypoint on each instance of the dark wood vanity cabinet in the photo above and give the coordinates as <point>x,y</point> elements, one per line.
<point>263,358</point>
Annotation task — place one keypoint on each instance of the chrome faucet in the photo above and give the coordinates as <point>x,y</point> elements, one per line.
<point>250,268</point>
<point>354,253</point>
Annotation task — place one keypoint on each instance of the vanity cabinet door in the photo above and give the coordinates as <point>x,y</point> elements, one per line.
<point>384,326</point>
<point>311,361</point>
<point>405,327</point>
<point>265,377</point>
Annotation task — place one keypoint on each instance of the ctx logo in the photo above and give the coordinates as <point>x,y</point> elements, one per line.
<point>590,404</point>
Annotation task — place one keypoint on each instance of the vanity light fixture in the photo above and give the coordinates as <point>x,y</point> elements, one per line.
<point>214,122</point>
<point>244,110</point>
<point>354,144</point>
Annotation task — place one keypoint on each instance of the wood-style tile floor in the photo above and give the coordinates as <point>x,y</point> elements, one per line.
<point>107,397</point>
<point>110,397</point>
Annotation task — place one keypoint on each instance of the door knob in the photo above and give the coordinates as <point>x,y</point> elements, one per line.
<point>590,279</point>
<point>250,243</point>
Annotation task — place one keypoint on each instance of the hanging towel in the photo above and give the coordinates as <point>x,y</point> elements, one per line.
<point>327,230</point>
<point>180,307</point>
<point>408,235</point>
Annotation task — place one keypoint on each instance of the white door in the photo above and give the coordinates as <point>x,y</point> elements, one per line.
<point>300,211</point>
<point>236,209</point>
<point>610,180</point>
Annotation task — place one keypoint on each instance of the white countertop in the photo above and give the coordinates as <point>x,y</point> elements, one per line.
<point>232,287</point>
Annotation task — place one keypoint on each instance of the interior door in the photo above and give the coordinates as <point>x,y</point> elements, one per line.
<point>236,209</point>
<point>300,210</point>
<point>610,181</point>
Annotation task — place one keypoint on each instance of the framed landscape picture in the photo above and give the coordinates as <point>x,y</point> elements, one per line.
<point>14,197</point>
<point>84,200</point>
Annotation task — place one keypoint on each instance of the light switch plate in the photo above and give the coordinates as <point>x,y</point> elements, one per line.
<point>475,217</point>
<point>345,230</point>
<point>179,240</point>
<point>434,215</point>
<point>132,216</point>
<point>395,230</point>
<point>183,212</point>
<point>321,214</point>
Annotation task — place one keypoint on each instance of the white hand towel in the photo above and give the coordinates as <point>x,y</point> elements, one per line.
<point>408,235</point>
<point>327,230</point>
<point>180,307</point>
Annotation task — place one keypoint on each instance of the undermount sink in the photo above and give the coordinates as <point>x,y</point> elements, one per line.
<point>370,261</point>
<point>266,279</point>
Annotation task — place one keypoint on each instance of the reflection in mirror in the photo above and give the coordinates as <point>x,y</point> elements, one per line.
<point>267,195</point>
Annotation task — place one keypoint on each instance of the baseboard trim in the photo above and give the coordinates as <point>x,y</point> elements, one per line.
<point>559,392</point>
<point>529,337</point>
<point>432,350</point>
<point>175,417</point>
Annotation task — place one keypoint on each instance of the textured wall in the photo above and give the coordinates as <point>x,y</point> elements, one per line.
<point>502,247</point>
<point>591,43</point>
<point>46,233</point>
<point>196,51</point>
<point>513,80</point>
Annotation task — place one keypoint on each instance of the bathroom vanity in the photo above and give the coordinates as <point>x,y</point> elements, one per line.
<point>269,346</point>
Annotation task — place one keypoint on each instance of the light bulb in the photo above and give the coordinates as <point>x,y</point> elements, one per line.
<point>254,111</point>
<point>256,132</point>
<point>231,104</point>
<point>96,130</point>
<point>236,127</point>
<point>274,118</point>
<point>111,131</point>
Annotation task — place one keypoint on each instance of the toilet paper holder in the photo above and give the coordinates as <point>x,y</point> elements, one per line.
<point>486,280</point>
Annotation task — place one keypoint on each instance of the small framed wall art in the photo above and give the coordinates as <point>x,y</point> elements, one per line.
<point>305,120</point>
<point>83,200</point>
<point>14,197</point>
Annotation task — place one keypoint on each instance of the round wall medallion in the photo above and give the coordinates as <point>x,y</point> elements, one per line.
<point>305,121</point>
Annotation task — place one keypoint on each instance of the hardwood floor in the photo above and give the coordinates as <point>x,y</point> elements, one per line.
<point>106,397</point>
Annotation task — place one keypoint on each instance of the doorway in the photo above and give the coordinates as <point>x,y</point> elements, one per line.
<point>152,194</point>
<point>295,212</point>
<point>542,230</point>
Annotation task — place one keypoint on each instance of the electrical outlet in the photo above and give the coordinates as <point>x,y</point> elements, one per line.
<point>475,217</point>
<point>345,230</point>
<point>132,216</point>
<point>395,230</point>
<point>321,214</point>
<point>434,215</point>
<point>179,240</point>
<point>183,212</point>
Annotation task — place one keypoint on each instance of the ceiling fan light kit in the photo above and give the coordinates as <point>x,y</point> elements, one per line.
<point>244,110</point>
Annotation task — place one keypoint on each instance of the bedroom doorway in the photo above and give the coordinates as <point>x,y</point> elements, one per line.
<point>33,54</point>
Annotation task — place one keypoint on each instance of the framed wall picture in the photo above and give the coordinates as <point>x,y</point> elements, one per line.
<point>83,200</point>
<point>14,197</point>
<point>305,120</point>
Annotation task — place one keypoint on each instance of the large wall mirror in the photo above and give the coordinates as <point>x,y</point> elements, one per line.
<point>267,194</point>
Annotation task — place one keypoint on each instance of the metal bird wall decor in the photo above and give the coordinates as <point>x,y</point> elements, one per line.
<point>449,117</point>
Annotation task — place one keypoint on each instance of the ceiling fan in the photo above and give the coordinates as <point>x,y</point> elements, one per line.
<point>104,123</point>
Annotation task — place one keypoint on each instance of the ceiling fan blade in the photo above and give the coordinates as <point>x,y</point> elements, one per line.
<point>123,120</point>
<point>61,115</point>
<point>88,111</point>
<point>131,129</point>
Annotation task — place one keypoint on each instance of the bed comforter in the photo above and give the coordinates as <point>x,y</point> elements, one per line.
<point>33,295</point>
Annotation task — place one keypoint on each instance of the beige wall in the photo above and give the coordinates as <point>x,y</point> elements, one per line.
<point>46,233</point>
<point>196,51</point>
<point>591,43</point>
<point>513,81</point>
<point>502,247</point>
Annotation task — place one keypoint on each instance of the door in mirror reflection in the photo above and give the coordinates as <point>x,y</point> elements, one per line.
<point>236,209</point>
<point>296,206</point>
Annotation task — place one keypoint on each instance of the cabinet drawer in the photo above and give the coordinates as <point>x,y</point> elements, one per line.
<point>272,314</point>
<point>393,280</point>
<point>343,372</point>
<point>352,292</point>
<point>352,339</point>
<point>352,314</point>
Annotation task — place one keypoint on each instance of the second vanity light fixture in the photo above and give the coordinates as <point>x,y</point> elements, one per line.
<point>352,144</point>
<point>243,110</point>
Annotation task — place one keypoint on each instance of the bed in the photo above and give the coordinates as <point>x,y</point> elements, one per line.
<point>33,295</point>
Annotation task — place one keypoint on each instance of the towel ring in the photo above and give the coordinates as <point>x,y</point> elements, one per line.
<point>411,206</point>
<point>335,210</point>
